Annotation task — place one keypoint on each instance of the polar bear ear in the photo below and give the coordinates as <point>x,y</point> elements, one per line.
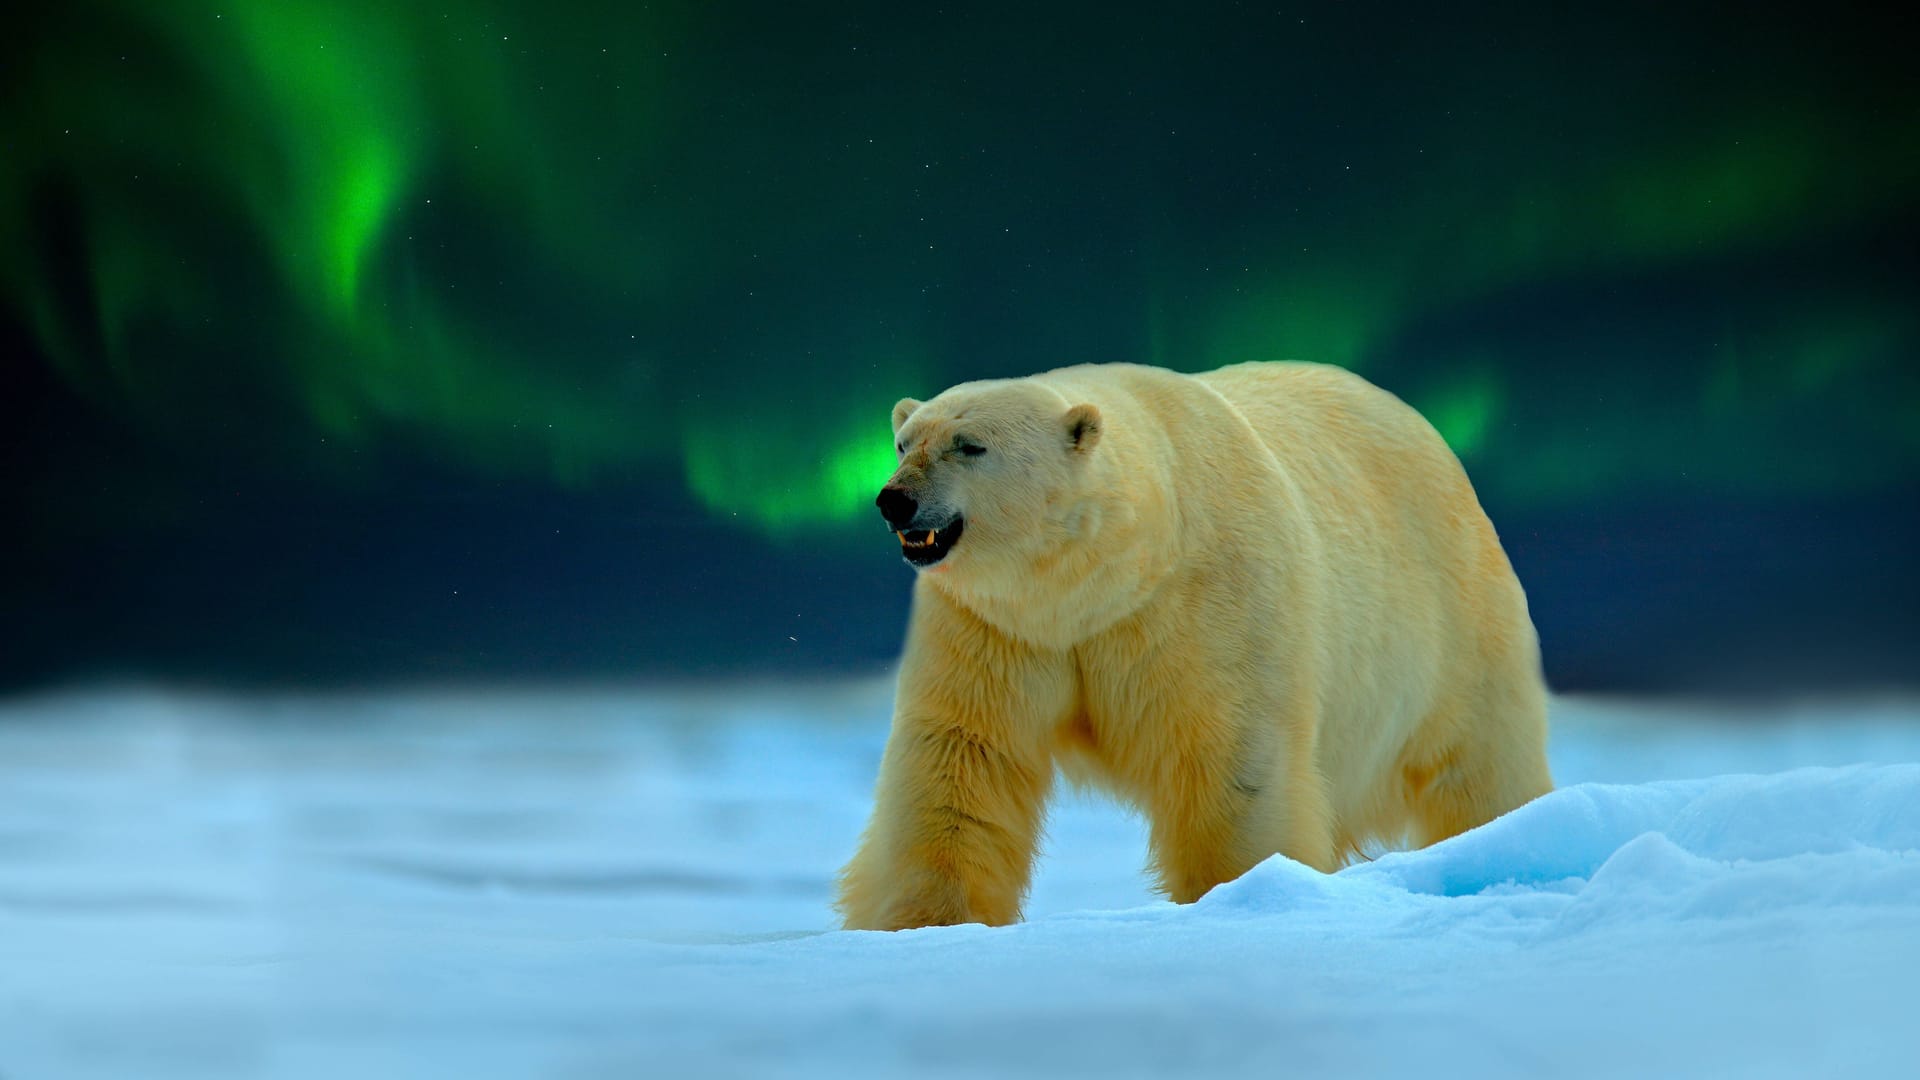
<point>1083,427</point>
<point>901,410</point>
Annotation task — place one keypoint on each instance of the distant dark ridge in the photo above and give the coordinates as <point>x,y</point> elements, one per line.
<point>485,584</point>
<point>1723,595</point>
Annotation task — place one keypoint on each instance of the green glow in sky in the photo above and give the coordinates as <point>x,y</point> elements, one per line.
<point>337,90</point>
<point>737,476</point>
<point>549,243</point>
<point>1464,410</point>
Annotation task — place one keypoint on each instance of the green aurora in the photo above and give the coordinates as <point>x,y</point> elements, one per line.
<point>712,245</point>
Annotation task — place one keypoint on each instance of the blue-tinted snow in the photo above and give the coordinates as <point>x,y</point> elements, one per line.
<point>607,884</point>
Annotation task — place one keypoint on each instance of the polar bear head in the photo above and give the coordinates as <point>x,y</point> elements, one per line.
<point>989,473</point>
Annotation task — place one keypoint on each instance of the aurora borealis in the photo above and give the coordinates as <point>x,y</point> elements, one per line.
<point>312,263</point>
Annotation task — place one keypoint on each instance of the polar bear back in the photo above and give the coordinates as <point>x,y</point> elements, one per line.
<point>1381,480</point>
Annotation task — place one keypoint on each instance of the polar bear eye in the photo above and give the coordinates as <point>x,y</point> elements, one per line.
<point>970,449</point>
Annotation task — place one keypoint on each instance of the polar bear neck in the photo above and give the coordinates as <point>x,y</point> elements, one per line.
<point>1066,596</point>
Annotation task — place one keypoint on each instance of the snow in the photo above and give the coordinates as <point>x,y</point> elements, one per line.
<point>631,883</point>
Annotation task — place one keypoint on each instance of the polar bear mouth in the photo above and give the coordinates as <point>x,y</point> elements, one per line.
<point>924,548</point>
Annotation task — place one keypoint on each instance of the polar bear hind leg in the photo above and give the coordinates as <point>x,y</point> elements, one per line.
<point>1477,758</point>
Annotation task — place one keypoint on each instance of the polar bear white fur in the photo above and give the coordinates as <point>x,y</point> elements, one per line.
<point>1262,605</point>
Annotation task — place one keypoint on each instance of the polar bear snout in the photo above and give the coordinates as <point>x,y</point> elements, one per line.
<point>898,506</point>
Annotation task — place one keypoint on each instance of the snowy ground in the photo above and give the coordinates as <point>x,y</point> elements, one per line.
<point>632,884</point>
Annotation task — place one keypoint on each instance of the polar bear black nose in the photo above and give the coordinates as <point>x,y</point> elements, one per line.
<point>897,506</point>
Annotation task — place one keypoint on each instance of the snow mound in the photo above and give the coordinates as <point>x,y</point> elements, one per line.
<point>1732,847</point>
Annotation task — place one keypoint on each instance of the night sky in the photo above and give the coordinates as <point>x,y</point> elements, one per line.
<point>387,341</point>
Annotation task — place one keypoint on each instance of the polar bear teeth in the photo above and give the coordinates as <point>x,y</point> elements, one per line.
<point>923,549</point>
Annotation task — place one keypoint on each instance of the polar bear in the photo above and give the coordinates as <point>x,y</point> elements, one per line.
<point>1262,605</point>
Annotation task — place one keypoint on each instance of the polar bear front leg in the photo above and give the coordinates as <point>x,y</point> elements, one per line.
<point>956,819</point>
<point>964,780</point>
